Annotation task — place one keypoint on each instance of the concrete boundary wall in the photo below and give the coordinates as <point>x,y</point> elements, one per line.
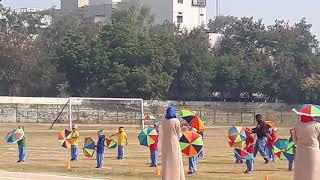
<point>32,100</point>
<point>45,110</point>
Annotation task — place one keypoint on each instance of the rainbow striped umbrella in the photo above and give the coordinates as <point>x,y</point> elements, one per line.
<point>237,134</point>
<point>88,147</point>
<point>243,154</point>
<point>191,143</point>
<point>64,138</point>
<point>284,149</point>
<point>148,136</point>
<point>307,110</point>
<point>149,117</point>
<point>187,115</point>
<point>110,144</point>
<point>14,136</point>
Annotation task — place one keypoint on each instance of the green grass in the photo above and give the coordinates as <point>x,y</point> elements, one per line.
<point>45,156</point>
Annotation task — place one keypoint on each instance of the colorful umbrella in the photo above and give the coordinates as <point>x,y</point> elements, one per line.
<point>270,123</point>
<point>291,150</point>
<point>239,144</point>
<point>191,143</point>
<point>110,144</point>
<point>243,154</point>
<point>237,134</point>
<point>187,115</point>
<point>149,117</point>
<point>148,136</point>
<point>64,138</point>
<point>307,110</point>
<point>284,149</point>
<point>88,147</point>
<point>197,123</point>
<point>14,136</point>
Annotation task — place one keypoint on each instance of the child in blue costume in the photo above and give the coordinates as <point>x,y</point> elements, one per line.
<point>100,149</point>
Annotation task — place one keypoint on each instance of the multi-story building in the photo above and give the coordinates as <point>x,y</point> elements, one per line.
<point>69,6</point>
<point>102,2</point>
<point>185,13</point>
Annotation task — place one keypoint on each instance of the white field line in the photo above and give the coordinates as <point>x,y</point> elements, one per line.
<point>34,176</point>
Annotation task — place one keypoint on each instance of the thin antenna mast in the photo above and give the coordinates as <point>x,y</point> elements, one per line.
<point>217,8</point>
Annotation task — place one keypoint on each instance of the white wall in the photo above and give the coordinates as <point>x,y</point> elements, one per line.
<point>82,3</point>
<point>191,14</point>
<point>101,2</point>
<point>32,100</point>
<point>169,10</point>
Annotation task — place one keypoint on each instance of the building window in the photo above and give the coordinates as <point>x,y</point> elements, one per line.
<point>179,12</point>
<point>201,14</point>
<point>180,1</point>
<point>201,3</point>
<point>179,19</point>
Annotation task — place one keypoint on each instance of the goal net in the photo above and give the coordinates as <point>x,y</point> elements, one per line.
<point>102,111</point>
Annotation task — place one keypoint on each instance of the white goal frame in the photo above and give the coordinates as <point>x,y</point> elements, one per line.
<point>106,99</point>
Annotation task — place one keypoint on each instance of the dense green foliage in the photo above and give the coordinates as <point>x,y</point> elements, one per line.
<point>131,57</point>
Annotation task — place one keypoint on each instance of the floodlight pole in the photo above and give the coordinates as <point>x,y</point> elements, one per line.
<point>70,113</point>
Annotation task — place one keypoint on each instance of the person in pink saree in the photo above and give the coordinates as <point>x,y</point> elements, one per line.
<point>172,165</point>
<point>307,160</point>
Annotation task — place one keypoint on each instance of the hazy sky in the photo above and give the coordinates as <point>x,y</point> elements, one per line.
<point>269,10</point>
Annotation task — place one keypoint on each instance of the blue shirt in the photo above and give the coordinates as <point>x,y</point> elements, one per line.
<point>100,144</point>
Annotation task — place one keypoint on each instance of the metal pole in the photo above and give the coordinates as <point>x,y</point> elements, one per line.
<point>117,114</point>
<point>228,120</point>
<point>70,113</point>
<point>214,115</point>
<point>59,114</point>
<point>142,114</point>
<point>37,108</point>
<point>254,116</point>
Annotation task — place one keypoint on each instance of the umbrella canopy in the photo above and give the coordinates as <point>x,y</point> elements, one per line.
<point>191,143</point>
<point>239,144</point>
<point>149,117</point>
<point>187,115</point>
<point>291,150</point>
<point>243,154</point>
<point>237,134</point>
<point>88,147</point>
<point>197,123</point>
<point>148,136</point>
<point>64,138</point>
<point>110,144</point>
<point>307,110</point>
<point>14,136</point>
<point>284,149</point>
<point>270,123</point>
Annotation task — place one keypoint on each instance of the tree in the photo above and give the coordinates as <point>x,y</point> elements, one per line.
<point>23,69</point>
<point>193,79</point>
<point>220,23</point>
<point>126,60</point>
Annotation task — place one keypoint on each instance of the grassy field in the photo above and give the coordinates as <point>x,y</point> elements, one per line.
<point>45,156</point>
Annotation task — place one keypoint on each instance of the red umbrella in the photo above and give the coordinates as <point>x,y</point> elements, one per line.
<point>197,123</point>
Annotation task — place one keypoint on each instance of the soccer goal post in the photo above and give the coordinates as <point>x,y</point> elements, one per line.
<point>84,110</point>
